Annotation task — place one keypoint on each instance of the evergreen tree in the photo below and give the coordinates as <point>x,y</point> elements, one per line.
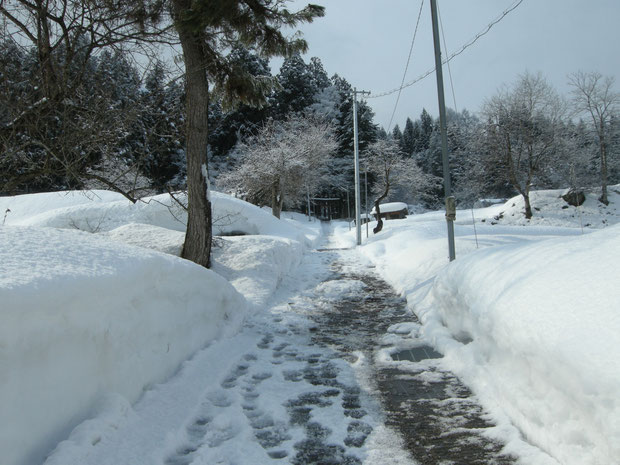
<point>65,144</point>
<point>397,136</point>
<point>426,129</point>
<point>408,139</point>
<point>320,79</point>
<point>228,128</point>
<point>298,87</point>
<point>382,134</point>
<point>205,30</point>
<point>161,155</point>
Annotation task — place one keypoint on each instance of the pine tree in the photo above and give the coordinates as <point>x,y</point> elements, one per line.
<point>161,155</point>
<point>397,136</point>
<point>205,30</point>
<point>227,128</point>
<point>320,79</point>
<point>408,139</point>
<point>426,129</point>
<point>298,87</point>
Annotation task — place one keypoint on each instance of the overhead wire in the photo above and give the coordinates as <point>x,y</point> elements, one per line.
<point>445,46</point>
<point>468,44</point>
<point>415,33</point>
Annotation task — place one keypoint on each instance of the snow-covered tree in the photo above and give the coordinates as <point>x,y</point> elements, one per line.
<point>408,141</point>
<point>524,124</point>
<point>392,170</point>
<point>397,135</point>
<point>284,162</point>
<point>426,129</point>
<point>297,87</point>
<point>593,95</point>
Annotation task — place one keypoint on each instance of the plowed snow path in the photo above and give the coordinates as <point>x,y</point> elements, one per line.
<point>303,384</point>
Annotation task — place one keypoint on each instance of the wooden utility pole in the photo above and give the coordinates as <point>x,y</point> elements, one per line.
<point>450,202</point>
<point>358,227</point>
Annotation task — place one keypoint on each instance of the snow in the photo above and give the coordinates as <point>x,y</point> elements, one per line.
<point>109,341</point>
<point>82,315</point>
<point>86,316</point>
<point>544,321</point>
<point>390,207</point>
<point>101,211</point>
<point>530,320</point>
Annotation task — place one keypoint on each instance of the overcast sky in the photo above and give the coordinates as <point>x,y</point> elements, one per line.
<point>367,42</point>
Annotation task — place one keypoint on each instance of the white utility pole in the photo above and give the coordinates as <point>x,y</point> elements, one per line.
<point>450,202</point>
<point>358,227</point>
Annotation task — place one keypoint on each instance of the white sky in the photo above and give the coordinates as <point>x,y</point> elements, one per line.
<point>367,42</point>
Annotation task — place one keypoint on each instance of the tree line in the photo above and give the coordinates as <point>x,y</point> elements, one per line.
<point>525,136</point>
<point>64,35</point>
<point>78,111</point>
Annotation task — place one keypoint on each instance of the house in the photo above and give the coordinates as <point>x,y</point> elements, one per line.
<point>392,210</point>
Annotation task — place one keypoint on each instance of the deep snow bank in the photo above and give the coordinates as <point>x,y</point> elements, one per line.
<point>82,317</point>
<point>530,322</point>
<point>103,211</point>
<point>255,265</point>
<point>543,320</point>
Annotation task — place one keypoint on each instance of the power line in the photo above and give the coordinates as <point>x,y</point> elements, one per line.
<point>445,46</point>
<point>455,54</point>
<point>415,33</point>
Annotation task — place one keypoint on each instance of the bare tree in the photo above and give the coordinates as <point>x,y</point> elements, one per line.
<point>66,33</point>
<point>283,162</point>
<point>63,125</point>
<point>592,94</point>
<point>384,159</point>
<point>524,124</point>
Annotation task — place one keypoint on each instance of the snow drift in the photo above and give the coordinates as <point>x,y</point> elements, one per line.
<point>543,321</point>
<point>83,316</point>
<point>103,211</point>
<point>530,321</point>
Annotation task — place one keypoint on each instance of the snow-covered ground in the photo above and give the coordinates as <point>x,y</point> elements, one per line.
<point>88,311</point>
<point>528,316</point>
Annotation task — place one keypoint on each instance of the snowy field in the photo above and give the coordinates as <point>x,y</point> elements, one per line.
<point>97,309</point>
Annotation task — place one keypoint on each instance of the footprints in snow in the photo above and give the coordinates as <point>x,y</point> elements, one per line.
<point>210,428</point>
<point>312,377</point>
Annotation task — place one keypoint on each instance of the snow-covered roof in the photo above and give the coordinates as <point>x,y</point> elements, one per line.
<point>390,207</point>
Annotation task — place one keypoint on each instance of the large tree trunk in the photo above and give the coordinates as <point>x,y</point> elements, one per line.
<point>197,246</point>
<point>528,207</point>
<point>379,226</point>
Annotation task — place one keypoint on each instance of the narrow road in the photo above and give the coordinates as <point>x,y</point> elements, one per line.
<point>306,382</point>
<point>438,418</point>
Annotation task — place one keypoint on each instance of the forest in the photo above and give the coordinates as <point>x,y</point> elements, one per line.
<point>109,119</point>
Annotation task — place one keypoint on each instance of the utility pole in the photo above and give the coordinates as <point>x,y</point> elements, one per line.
<point>450,202</point>
<point>366,199</point>
<point>348,210</point>
<point>358,227</point>
<point>308,198</point>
